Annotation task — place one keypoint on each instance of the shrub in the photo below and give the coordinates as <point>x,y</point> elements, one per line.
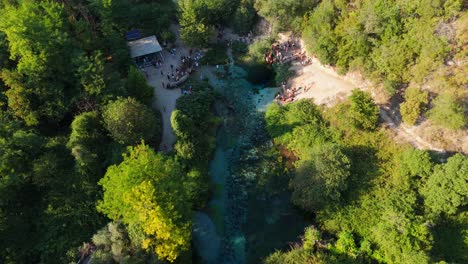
<point>448,112</point>
<point>364,112</point>
<point>415,102</point>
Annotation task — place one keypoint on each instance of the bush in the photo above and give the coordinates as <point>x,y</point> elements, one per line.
<point>448,113</point>
<point>321,178</point>
<point>415,102</point>
<point>257,50</point>
<point>244,17</point>
<point>364,112</point>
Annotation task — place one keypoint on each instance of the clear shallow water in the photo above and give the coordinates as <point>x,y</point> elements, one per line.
<point>239,226</point>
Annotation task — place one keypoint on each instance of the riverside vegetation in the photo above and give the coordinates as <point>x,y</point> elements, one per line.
<point>78,134</point>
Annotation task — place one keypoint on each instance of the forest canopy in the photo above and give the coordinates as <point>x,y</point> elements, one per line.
<point>83,172</point>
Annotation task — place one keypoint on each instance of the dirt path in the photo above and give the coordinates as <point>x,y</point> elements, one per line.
<point>326,86</point>
<point>404,131</point>
<point>165,99</point>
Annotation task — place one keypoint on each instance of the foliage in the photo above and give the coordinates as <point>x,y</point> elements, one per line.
<point>386,201</point>
<point>257,50</point>
<point>450,239</point>
<point>383,39</point>
<point>194,123</point>
<point>61,62</point>
<point>284,15</point>
<point>244,17</point>
<point>448,112</point>
<point>215,56</point>
<point>137,87</point>
<point>415,101</point>
<point>113,245</point>
<point>282,73</point>
<point>446,189</point>
<point>86,137</point>
<point>129,121</point>
<point>364,112</point>
<point>311,237</point>
<point>122,15</point>
<point>320,178</point>
<point>318,33</point>
<point>91,71</point>
<point>299,126</point>
<point>38,39</point>
<point>195,17</point>
<point>145,193</point>
<point>298,256</point>
<point>345,244</point>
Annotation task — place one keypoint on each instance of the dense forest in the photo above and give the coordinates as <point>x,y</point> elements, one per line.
<point>79,133</point>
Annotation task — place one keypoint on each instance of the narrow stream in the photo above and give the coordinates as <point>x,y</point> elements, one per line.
<point>239,224</point>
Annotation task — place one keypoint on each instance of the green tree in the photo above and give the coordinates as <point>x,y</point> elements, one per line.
<point>244,17</point>
<point>193,124</point>
<point>91,73</point>
<point>38,40</point>
<point>391,60</point>
<point>318,34</point>
<point>364,112</point>
<point>415,102</point>
<point>446,189</point>
<point>402,235</point>
<point>195,28</point>
<point>86,140</point>
<point>129,121</point>
<point>346,244</point>
<point>115,246</point>
<point>284,15</point>
<point>321,178</point>
<point>448,112</point>
<point>137,86</point>
<point>146,192</point>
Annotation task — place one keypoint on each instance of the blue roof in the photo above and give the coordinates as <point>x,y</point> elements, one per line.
<point>133,34</point>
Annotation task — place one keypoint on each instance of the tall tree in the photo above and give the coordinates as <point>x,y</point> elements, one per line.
<point>321,178</point>
<point>364,112</point>
<point>415,101</point>
<point>38,41</point>
<point>86,141</point>
<point>446,189</point>
<point>129,121</point>
<point>146,192</point>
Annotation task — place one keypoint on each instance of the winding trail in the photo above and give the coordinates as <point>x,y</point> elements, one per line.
<point>404,131</point>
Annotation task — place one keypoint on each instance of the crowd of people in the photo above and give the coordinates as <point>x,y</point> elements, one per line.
<point>286,52</point>
<point>283,53</point>
<point>177,70</point>
<point>288,95</point>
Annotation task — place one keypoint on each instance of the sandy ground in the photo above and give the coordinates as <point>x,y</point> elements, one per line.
<point>324,84</point>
